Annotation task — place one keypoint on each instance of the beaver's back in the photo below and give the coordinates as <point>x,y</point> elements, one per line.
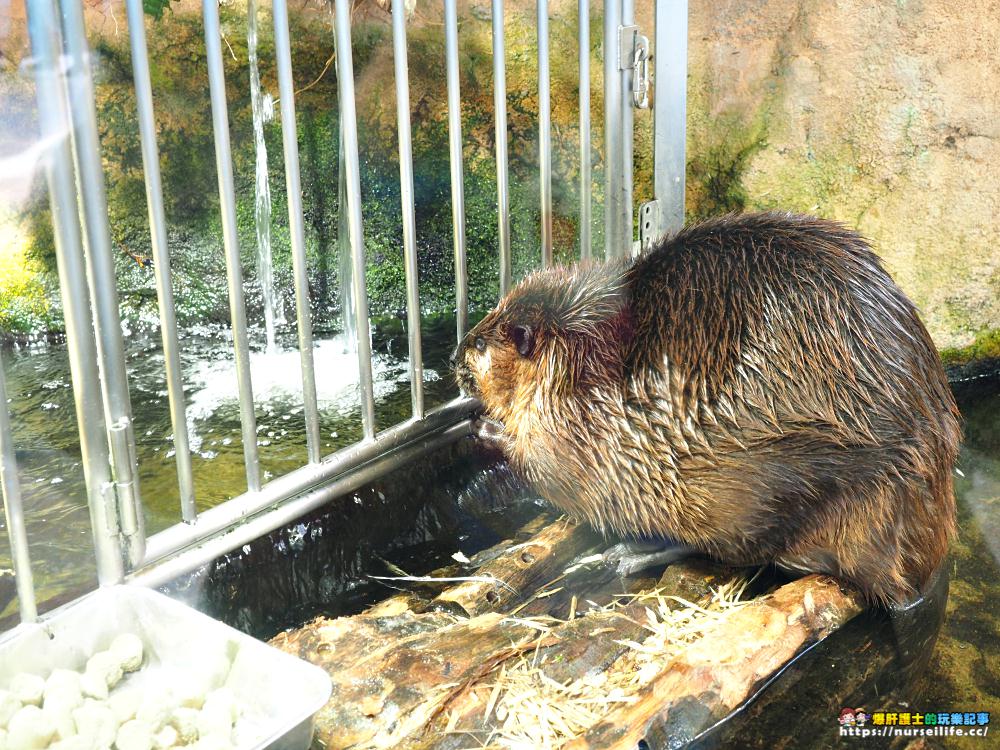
<point>797,374</point>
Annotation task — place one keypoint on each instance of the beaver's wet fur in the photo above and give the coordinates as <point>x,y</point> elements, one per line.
<point>755,387</point>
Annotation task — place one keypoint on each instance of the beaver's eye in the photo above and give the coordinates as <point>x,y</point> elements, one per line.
<point>480,344</point>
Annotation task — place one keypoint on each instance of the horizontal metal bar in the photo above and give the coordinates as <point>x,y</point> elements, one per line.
<point>303,479</point>
<point>101,278</point>
<point>500,118</point>
<point>585,157</point>
<point>303,319</point>
<point>288,513</point>
<point>349,131</point>
<point>406,197</point>
<point>670,112</point>
<point>457,178</point>
<point>544,131</point>
<point>53,118</point>
<point>14,512</point>
<point>230,238</point>
<point>161,256</point>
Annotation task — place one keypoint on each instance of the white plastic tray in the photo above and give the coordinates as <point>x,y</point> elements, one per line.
<point>278,694</point>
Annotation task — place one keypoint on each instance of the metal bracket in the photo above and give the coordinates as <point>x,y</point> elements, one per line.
<point>649,221</point>
<point>633,54</point>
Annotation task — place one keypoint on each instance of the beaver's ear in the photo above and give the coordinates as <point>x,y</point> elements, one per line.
<point>523,338</point>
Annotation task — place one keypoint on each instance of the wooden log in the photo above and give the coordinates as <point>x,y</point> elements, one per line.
<point>588,644</point>
<point>520,570</point>
<point>719,671</point>
<point>391,674</point>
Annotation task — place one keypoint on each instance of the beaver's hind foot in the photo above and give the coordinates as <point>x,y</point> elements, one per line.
<point>629,558</point>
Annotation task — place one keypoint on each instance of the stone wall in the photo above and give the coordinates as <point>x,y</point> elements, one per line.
<point>883,115</point>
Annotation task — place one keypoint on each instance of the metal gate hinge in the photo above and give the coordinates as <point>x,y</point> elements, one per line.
<point>649,222</point>
<point>633,54</point>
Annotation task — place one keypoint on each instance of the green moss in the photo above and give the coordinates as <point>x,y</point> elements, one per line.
<point>985,346</point>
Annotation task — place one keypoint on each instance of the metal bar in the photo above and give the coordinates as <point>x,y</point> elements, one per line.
<point>406,197</point>
<point>349,130</point>
<point>14,513</point>
<point>544,131</point>
<point>617,134</point>
<point>161,256</point>
<point>43,29</point>
<point>230,239</point>
<point>585,157</point>
<point>628,132</point>
<point>348,459</point>
<point>101,277</point>
<point>670,112</point>
<point>296,225</point>
<point>612,133</point>
<point>500,117</point>
<point>457,179</point>
<point>289,512</point>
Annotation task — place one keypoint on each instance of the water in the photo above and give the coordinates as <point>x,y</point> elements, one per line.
<point>263,111</point>
<point>45,433</point>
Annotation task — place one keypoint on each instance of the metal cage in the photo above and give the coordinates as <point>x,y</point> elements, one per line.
<point>61,68</point>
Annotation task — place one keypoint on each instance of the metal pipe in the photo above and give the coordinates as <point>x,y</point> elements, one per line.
<point>585,156</point>
<point>43,30</point>
<point>544,131</point>
<point>14,513</point>
<point>101,280</point>
<point>346,460</point>
<point>612,134</point>
<point>406,197</point>
<point>296,225</point>
<point>457,179</point>
<point>349,131</point>
<point>230,239</point>
<point>670,112</point>
<point>289,512</point>
<point>161,256</point>
<point>628,141</point>
<point>500,118</point>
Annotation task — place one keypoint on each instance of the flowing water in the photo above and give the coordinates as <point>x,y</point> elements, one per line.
<point>45,433</point>
<point>263,111</point>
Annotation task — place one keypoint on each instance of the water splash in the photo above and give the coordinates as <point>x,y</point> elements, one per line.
<point>263,110</point>
<point>277,377</point>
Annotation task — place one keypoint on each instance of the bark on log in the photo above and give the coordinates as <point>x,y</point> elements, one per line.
<point>391,674</point>
<point>720,670</point>
<point>518,572</point>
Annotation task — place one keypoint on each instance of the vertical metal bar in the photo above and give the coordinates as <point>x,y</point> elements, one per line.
<point>585,157</point>
<point>628,132</point>
<point>43,29</point>
<point>406,196</point>
<point>161,256</point>
<point>14,513</point>
<point>544,131</point>
<point>230,239</point>
<point>500,118</point>
<point>612,132</point>
<point>670,112</point>
<point>101,279</point>
<point>457,180</point>
<point>349,130</point>
<point>289,138</point>
<point>617,134</point>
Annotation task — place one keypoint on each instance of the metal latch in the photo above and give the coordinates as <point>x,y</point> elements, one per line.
<point>633,54</point>
<point>649,224</point>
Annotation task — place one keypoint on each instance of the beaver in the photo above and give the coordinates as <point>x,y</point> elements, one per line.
<point>755,388</point>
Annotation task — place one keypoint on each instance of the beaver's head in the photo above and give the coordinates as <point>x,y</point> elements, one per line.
<point>560,331</point>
